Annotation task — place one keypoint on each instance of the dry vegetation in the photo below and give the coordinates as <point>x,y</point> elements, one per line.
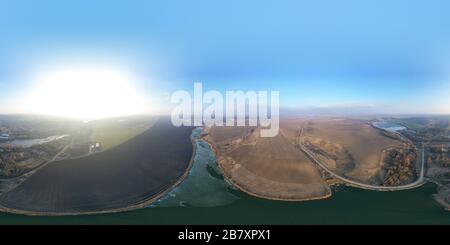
<point>266,167</point>
<point>398,167</point>
<point>352,148</point>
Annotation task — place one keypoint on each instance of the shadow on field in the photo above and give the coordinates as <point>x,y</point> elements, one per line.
<point>129,174</point>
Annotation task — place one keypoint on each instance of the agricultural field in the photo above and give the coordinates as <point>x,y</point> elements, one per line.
<point>113,132</point>
<point>118,179</point>
<point>352,148</point>
<point>270,168</point>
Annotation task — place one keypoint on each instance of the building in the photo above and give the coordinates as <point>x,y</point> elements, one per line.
<point>94,148</point>
<point>445,163</point>
<point>439,148</point>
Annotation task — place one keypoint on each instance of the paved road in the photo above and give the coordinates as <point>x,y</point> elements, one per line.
<point>420,181</point>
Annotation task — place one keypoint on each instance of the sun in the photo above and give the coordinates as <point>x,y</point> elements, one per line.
<point>85,94</point>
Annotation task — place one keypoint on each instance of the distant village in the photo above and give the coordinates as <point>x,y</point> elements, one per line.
<point>17,159</point>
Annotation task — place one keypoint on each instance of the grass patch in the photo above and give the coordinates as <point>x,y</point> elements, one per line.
<point>111,133</point>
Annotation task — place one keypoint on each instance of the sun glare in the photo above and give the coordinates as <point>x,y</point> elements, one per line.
<point>85,94</point>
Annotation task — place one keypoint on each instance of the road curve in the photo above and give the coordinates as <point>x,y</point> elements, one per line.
<point>420,181</point>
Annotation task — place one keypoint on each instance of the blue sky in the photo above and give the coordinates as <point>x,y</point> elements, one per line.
<point>393,55</point>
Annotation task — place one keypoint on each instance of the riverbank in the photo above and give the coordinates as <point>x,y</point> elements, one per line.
<point>141,205</point>
<point>348,205</point>
<point>113,188</point>
<point>222,162</point>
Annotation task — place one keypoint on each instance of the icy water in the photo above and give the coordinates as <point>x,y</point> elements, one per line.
<point>204,187</point>
<point>205,198</point>
<point>393,127</point>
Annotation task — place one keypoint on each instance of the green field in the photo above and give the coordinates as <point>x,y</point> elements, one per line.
<point>111,133</point>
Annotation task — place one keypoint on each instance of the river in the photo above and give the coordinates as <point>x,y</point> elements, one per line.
<point>205,198</point>
<point>32,142</point>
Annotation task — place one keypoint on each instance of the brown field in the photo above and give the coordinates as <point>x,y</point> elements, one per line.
<point>349,147</point>
<point>266,167</point>
<point>290,128</point>
<point>228,134</point>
